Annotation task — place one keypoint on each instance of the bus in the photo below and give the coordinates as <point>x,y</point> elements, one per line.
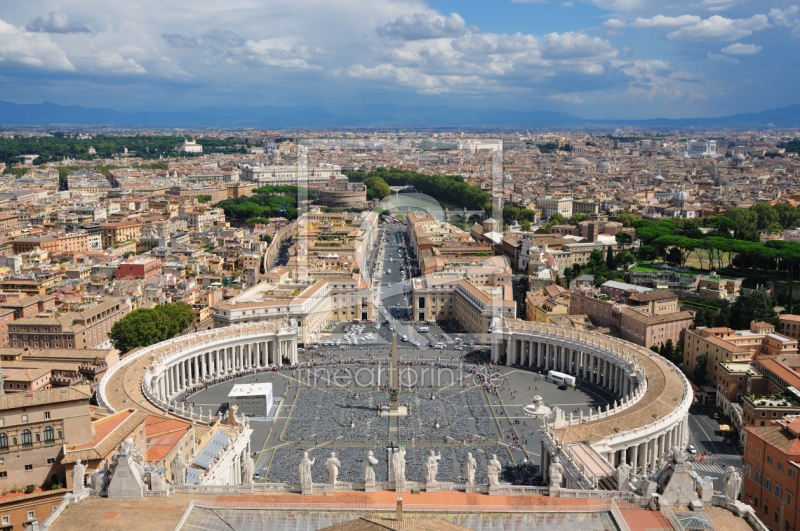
<point>560,378</point>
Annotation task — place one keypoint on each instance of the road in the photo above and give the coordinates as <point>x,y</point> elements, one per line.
<point>705,435</point>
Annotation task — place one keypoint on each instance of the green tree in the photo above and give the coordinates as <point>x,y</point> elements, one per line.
<point>578,217</point>
<point>203,198</point>
<point>700,369</point>
<point>525,225</point>
<point>700,318</point>
<point>378,186</point>
<point>627,219</point>
<point>623,239</point>
<point>753,306</point>
<point>610,263</point>
<point>669,349</point>
<point>148,326</point>
<point>557,219</point>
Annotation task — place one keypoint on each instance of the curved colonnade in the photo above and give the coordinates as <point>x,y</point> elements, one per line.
<point>648,417</point>
<point>171,367</point>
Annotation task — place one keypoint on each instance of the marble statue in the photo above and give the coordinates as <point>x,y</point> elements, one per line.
<point>369,467</point>
<point>469,469</point>
<point>623,475</point>
<point>78,472</point>
<point>493,469</point>
<point>731,484</point>
<point>304,471</point>
<point>432,467</point>
<point>178,468</point>
<point>399,465</point>
<point>332,466</point>
<point>248,469</point>
<point>556,471</point>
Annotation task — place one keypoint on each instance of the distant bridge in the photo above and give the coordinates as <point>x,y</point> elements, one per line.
<point>398,189</point>
<point>464,214</point>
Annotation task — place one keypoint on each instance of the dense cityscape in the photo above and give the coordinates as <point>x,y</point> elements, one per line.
<point>399,264</point>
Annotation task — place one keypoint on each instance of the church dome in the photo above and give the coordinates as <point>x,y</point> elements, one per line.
<point>738,156</point>
<point>580,161</point>
<point>681,196</point>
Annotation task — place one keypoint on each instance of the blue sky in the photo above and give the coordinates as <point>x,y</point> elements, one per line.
<point>594,58</point>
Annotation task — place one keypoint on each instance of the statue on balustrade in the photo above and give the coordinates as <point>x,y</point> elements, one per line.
<point>469,469</point>
<point>304,471</point>
<point>432,467</point>
<point>332,466</point>
<point>248,470</point>
<point>178,469</point>
<point>369,467</point>
<point>556,472</point>
<point>78,473</point>
<point>493,469</point>
<point>732,484</point>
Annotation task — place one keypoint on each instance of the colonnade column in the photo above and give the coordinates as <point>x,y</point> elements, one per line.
<point>634,458</point>
<point>197,377</point>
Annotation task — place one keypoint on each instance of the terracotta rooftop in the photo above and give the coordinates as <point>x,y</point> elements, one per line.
<point>48,396</point>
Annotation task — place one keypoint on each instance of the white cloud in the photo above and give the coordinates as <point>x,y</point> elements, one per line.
<point>717,28</point>
<point>784,17</point>
<point>110,62</point>
<point>573,45</point>
<point>613,24</point>
<point>31,49</point>
<point>424,26</point>
<point>274,52</point>
<point>739,48</point>
<point>661,21</point>
<point>722,58</point>
<point>55,23</point>
<point>568,4</point>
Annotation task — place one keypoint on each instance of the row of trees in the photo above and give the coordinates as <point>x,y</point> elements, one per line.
<point>603,269</point>
<point>675,241</point>
<point>265,203</point>
<point>148,326</point>
<point>376,188</point>
<point>449,189</point>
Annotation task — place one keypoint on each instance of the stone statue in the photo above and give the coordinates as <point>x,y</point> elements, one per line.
<point>78,472</point>
<point>556,472</point>
<point>399,465</point>
<point>304,471</point>
<point>623,475</point>
<point>369,467</point>
<point>731,484</point>
<point>469,469</point>
<point>332,466</point>
<point>493,469</point>
<point>432,467</point>
<point>664,461</point>
<point>178,468</point>
<point>248,469</point>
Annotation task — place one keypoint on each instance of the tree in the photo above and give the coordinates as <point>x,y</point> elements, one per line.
<point>610,258</point>
<point>378,186</point>
<point>627,219</point>
<point>623,239</point>
<point>267,238</point>
<point>700,318</point>
<point>753,306</point>
<point>700,369</point>
<point>557,219</point>
<point>525,225</point>
<point>149,326</point>
<point>578,217</point>
<point>669,350</point>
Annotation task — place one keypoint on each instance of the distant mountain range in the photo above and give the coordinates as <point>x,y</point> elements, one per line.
<point>368,116</point>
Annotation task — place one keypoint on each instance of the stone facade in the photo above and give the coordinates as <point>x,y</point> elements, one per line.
<point>340,193</point>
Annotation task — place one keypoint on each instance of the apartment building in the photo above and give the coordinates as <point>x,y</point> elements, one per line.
<point>139,267</point>
<point>789,325</point>
<point>119,232</point>
<point>34,427</point>
<point>29,306</point>
<point>87,326</point>
<point>772,472</point>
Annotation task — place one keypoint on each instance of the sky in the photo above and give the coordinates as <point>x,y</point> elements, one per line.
<point>624,59</point>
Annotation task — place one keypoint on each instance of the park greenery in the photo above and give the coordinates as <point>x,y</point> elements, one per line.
<point>447,189</point>
<point>792,146</point>
<point>265,203</point>
<point>603,269</point>
<point>148,326</point>
<point>376,188</point>
<point>550,147</point>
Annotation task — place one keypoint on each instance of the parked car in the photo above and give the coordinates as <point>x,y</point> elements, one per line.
<point>691,449</point>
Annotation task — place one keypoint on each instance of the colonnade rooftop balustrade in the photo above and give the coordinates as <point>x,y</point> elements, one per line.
<point>121,386</point>
<point>665,400</point>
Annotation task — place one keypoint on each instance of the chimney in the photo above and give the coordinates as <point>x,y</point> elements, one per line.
<point>399,515</point>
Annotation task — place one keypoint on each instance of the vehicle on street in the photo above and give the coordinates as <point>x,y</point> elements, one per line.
<point>405,338</point>
<point>423,329</point>
<point>301,350</point>
<point>691,449</point>
<point>459,347</point>
<point>257,475</point>
<point>563,387</point>
<point>716,416</point>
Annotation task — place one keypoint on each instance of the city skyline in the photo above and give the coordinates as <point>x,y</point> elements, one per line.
<point>601,59</point>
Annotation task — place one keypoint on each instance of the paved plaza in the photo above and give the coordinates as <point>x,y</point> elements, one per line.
<point>331,407</point>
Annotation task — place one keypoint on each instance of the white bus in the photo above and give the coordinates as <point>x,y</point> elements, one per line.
<point>423,329</point>
<point>560,378</point>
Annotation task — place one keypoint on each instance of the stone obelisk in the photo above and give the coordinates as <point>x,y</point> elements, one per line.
<point>394,409</point>
<point>394,389</point>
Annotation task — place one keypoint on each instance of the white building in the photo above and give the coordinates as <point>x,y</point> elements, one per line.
<point>552,205</point>
<point>700,149</point>
<point>278,175</point>
<point>253,400</point>
<point>190,146</point>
